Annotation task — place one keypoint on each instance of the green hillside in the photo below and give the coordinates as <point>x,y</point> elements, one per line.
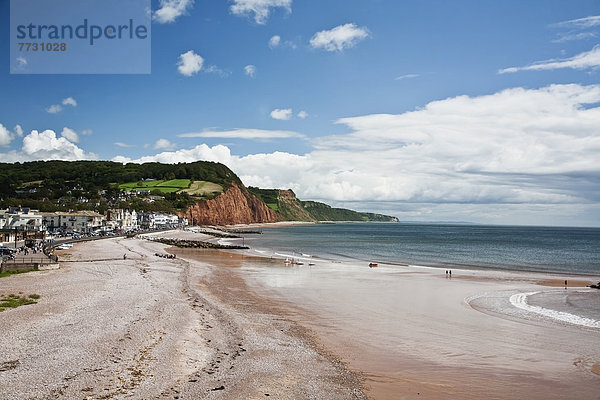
<point>98,185</point>
<point>96,173</point>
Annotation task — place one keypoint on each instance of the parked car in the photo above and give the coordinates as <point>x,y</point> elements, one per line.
<point>6,251</point>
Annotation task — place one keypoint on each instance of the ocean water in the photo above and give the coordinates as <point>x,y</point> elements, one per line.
<point>521,248</point>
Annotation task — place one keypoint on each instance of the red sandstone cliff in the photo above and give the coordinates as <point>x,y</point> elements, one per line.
<point>235,206</point>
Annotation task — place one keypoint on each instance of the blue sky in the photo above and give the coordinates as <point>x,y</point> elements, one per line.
<point>478,111</point>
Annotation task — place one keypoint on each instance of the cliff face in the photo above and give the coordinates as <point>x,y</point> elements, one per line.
<point>235,206</point>
<point>290,208</point>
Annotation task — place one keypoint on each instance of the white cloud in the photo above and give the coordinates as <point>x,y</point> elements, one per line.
<point>213,69</point>
<point>302,114</point>
<point>244,134</point>
<point>250,70</point>
<point>170,10</point>
<point>339,38</point>
<point>586,60</point>
<point>578,29</point>
<point>259,8</point>
<point>189,63</point>
<point>512,146</point>
<point>274,41</point>
<point>407,76</point>
<point>54,109</point>
<point>566,37</point>
<point>86,132</point>
<point>46,146</point>
<point>69,101</point>
<point>164,144</point>
<point>70,135</point>
<point>580,23</point>
<point>5,136</point>
<point>218,153</point>
<point>124,145</point>
<point>281,114</point>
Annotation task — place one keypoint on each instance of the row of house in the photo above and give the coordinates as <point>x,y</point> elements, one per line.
<point>18,223</point>
<point>80,221</point>
<point>130,219</point>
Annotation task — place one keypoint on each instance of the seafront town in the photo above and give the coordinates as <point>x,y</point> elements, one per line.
<point>27,227</point>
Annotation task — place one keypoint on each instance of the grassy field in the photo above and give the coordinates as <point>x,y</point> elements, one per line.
<point>32,183</point>
<point>193,188</point>
<point>173,185</point>
<point>203,188</point>
<point>180,183</point>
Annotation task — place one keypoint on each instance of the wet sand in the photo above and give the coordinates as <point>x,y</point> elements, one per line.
<point>572,283</point>
<point>154,328</point>
<point>413,333</point>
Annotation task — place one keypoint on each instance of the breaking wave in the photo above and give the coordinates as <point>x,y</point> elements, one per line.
<point>519,300</point>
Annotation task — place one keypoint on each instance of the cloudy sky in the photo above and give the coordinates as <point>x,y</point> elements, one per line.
<point>474,111</point>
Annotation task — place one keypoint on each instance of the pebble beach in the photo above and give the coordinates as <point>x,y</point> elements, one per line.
<point>146,327</point>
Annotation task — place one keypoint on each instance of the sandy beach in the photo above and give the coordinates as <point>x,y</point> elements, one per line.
<point>413,332</point>
<point>231,325</point>
<point>148,327</point>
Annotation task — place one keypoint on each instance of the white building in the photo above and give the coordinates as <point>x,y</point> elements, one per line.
<point>151,220</point>
<point>18,223</point>
<point>122,219</point>
<point>166,220</point>
<point>17,217</point>
<point>78,221</point>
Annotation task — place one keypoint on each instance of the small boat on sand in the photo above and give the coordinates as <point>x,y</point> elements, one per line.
<point>372,265</point>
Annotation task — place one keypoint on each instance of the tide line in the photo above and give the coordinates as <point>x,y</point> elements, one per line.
<point>519,300</point>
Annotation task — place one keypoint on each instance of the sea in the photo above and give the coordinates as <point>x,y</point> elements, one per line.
<point>564,250</point>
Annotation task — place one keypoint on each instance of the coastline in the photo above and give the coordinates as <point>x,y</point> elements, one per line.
<point>245,322</point>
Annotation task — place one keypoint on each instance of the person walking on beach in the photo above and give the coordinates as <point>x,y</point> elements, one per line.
<point>565,283</point>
